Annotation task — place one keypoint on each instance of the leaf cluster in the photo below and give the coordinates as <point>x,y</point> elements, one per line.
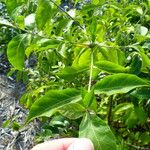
<point>92,66</point>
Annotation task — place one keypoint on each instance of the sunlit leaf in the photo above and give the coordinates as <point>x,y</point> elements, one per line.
<point>119,83</point>
<point>51,101</point>
<point>16,51</point>
<point>110,67</point>
<point>43,13</point>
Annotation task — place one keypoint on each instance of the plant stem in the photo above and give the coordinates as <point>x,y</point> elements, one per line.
<point>91,71</point>
<point>109,117</point>
<point>67,14</point>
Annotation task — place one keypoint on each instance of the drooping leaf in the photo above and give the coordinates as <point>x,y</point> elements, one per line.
<point>98,131</point>
<point>43,13</point>
<point>51,101</point>
<point>110,67</point>
<point>69,73</point>
<point>72,110</point>
<point>119,83</point>
<point>16,51</point>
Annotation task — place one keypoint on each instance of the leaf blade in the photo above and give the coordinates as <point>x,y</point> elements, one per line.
<point>43,13</point>
<point>100,133</point>
<point>53,99</point>
<point>119,83</point>
<point>16,51</point>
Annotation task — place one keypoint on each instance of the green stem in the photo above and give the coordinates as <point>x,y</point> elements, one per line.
<point>91,72</point>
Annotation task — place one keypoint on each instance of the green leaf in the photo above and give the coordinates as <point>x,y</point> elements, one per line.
<point>141,114</point>
<point>136,64</point>
<point>51,101</point>
<point>132,119</point>
<point>40,44</point>
<point>43,13</point>
<point>95,2</point>
<point>69,73</point>
<point>146,62</point>
<point>119,83</point>
<point>123,107</point>
<point>45,43</point>
<point>92,28</point>
<point>11,5</point>
<point>61,25</point>
<point>89,100</point>
<point>20,21</point>
<point>16,51</point>
<point>110,67</point>
<point>141,93</point>
<point>72,110</point>
<point>98,131</point>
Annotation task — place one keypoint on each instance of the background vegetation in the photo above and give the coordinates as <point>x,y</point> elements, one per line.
<point>86,67</point>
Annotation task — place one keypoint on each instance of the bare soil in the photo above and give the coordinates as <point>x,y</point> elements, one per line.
<point>11,112</point>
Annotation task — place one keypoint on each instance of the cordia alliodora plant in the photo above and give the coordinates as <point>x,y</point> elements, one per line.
<point>92,65</point>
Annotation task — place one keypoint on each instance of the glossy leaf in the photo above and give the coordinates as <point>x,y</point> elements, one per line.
<point>98,131</point>
<point>16,51</point>
<point>119,83</point>
<point>51,101</point>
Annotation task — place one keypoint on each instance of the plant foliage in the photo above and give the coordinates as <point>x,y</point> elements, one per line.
<point>92,67</point>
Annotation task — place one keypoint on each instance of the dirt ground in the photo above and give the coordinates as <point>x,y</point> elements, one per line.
<point>11,112</point>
